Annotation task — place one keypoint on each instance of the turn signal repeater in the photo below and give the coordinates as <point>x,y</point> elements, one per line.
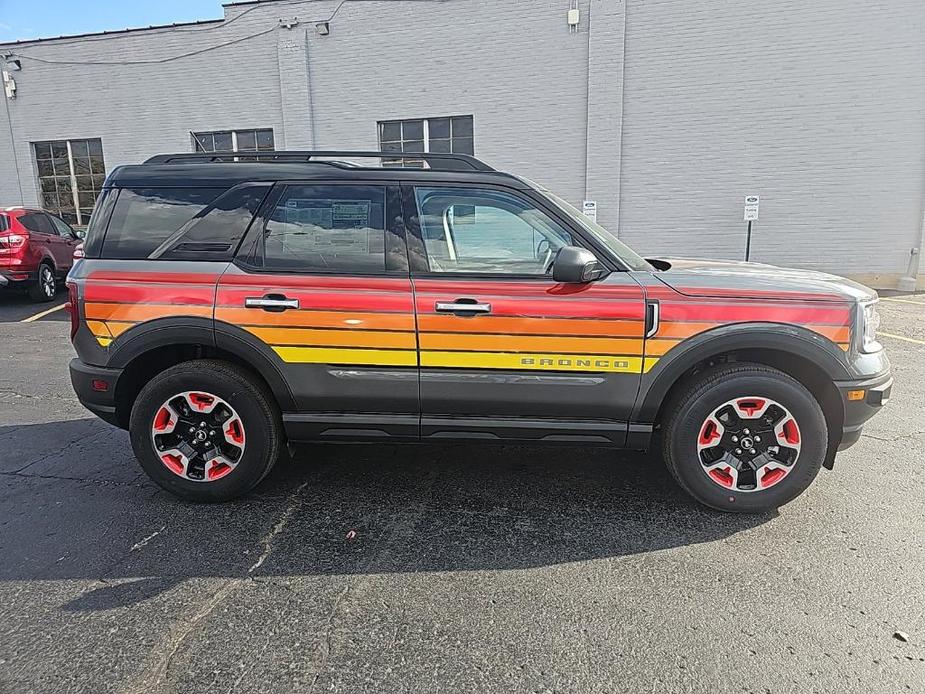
<point>855,395</point>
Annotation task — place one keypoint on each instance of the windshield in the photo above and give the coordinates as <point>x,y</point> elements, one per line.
<point>629,257</point>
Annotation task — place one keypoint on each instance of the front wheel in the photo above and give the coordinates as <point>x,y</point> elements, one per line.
<point>744,438</point>
<point>205,430</point>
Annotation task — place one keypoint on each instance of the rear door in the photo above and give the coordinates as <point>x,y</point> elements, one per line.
<point>505,351</point>
<point>42,233</point>
<point>321,285</point>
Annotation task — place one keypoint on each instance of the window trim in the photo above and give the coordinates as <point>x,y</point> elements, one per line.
<point>252,246</point>
<point>417,250</point>
<point>425,135</point>
<point>72,174</point>
<point>234,140</point>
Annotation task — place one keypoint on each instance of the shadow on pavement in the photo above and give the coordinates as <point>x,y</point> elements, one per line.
<point>334,509</point>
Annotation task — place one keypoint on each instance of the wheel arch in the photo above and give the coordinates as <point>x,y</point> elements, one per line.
<point>806,356</point>
<point>149,348</point>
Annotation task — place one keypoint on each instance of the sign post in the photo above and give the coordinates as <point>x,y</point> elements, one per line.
<point>751,215</point>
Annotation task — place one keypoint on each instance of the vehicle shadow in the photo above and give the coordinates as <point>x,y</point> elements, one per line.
<point>337,509</point>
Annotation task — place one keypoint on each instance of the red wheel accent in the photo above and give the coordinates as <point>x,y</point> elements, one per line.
<point>750,406</point>
<point>709,433</point>
<point>173,462</point>
<point>723,477</point>
<point>162,419</point>
<point>200,401</point>
<point>234,432</point>
<point>772,477</point>
<point>791,432</point>
<point>218,471</point>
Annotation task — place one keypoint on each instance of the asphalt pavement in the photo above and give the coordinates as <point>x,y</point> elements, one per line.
<point>449,569</point>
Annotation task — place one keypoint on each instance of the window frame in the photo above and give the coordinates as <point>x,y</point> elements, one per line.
<point>417,249</point>
<point>234,140</point>
<point>425,125</point>
<point>250,255</point>
<point>82,219</point>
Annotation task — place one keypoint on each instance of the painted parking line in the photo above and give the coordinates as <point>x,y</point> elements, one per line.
<point>903,338</point>
<point>49,311</point>
<point>902,301</point>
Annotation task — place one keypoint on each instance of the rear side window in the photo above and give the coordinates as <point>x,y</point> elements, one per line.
<point>4,224</point>
<point>214,234</point>
<point>143,218</point>
<point>37,222</point>
<point>327,228</point>
<point>93,241</point>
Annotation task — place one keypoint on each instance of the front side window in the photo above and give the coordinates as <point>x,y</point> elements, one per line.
<point>470,230</point>
<point>451,134</point>
<point>328,228</point>
<point>144,218</point>
<point>62,228</point>
<point>71,175</point>
<point>257,140</point>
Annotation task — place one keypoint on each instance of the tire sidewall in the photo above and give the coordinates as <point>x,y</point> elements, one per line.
<point>258,430</point>
<point>794,397</point>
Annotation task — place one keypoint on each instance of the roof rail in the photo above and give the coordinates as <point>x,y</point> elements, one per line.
<point>437,161</point>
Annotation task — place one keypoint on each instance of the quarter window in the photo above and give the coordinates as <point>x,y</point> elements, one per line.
<point>447,134</point>
<point>328,229</point>
<point>469,230</point>
<point>234,141</point>
<point>71,175</point>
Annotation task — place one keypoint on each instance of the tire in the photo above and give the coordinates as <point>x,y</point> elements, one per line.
<point>243,419</point>
<point>44,288</point>
<point>700,453</point>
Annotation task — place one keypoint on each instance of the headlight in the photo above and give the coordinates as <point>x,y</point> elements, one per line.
<point>870,324</point>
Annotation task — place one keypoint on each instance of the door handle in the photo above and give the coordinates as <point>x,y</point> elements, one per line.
<point>271,302</point>
<point>462,306</point>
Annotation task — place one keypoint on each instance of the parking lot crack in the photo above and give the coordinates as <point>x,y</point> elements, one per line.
<point>63,450</point>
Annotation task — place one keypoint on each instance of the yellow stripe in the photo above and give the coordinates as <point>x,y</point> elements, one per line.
<point>104,341</point>
<point>903,338</point>
<point>335,338</point>
<point>596,363</point>
<point>323,355</point>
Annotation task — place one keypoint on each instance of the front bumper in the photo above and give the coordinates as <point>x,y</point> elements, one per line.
<point>88,384</point>
<point>857,412</point>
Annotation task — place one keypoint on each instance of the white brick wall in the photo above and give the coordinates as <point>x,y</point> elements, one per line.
<point>817,107</point>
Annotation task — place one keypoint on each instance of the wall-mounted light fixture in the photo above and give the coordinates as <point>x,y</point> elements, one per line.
<point>12,64</point>
<point>323,28</point>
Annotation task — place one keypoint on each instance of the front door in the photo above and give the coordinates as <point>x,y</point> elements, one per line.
<point>505,351</point>
<point>321,288</point>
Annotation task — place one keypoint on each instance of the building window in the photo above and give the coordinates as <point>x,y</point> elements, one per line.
<point>447,134</point>
<point>234,141</point>
<point>71,175</point>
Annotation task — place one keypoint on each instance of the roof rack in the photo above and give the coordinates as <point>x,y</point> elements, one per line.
<point>436,161</point>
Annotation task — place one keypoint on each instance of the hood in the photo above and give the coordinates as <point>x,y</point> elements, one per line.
<point>736,278</point>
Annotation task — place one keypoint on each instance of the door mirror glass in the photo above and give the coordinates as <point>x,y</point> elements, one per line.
<point>575,265</point>
<point>80,234</point>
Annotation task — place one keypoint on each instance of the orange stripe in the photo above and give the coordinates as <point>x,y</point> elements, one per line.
<point>836,333</point>
<point>522,343</point>
<point>334,338</point>
<point>142,312</point>
<point>531,326</point>
<point>317,319</point>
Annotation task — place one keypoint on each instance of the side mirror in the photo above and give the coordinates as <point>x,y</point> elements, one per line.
<point>575,265</point>
<point>80,234</point>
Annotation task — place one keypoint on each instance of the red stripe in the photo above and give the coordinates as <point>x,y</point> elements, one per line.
<point>160,277</point>
<point>550,308</point>
<point>732,313</point>
<point>324,282</point>
<point>541,288</point>
<point>328,301</point>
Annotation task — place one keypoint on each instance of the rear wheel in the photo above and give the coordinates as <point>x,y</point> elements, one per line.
<point>45,286</point>
<point>745,438</point>
<point>205,430</point>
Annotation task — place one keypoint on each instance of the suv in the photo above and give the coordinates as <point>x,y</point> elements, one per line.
<point>36,251</point>
<point>228,304</point>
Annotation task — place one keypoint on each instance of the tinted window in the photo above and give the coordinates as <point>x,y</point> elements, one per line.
<point>487,231</point>
<point>62,228</point>
<point>97,227</point>
<point>219,228</point>
<point>37,222</point>
<point>144,218</point>
<point>4,224</point>
<point>327,229</point>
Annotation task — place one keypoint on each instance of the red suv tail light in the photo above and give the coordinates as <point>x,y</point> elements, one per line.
<point>72,309</point>
<point>12,242</point>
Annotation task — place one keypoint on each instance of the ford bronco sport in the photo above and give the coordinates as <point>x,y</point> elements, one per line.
<point>228,304</point>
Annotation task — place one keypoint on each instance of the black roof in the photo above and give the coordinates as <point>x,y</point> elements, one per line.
<point>207,170</point>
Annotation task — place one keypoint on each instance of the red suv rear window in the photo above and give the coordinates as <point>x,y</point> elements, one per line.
<point>4,223</point>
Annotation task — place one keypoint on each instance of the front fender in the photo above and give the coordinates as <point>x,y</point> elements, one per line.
<point>779,337</point>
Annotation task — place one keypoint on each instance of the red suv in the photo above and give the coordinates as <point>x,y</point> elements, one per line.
<point>36,251</point>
